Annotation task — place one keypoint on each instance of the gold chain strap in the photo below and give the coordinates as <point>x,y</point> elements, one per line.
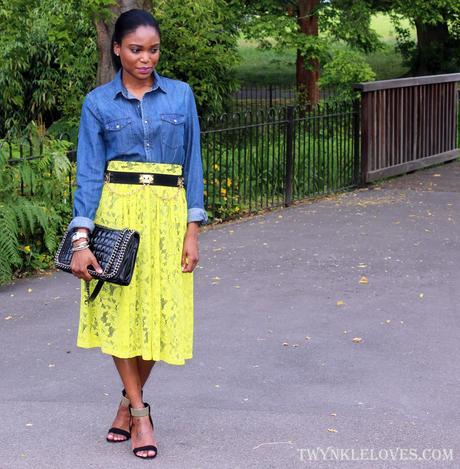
<point>143,186</point>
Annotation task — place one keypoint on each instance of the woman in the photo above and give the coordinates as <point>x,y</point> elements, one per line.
<point>140,122</point>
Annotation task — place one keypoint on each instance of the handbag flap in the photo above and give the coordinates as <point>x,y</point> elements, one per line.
<point>105,244</point>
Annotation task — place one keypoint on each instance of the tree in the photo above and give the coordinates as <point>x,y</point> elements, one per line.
<point>307,76</point>
<point>296,24</point>
<point>437,23</point>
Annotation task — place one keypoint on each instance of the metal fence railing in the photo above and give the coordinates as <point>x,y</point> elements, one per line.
<point>268,158</point>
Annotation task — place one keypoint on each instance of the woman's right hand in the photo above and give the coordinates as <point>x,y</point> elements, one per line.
<point>80,262</point>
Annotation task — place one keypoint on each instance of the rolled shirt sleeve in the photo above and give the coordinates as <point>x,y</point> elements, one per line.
<point>90,167</point>
<point>193,167</point>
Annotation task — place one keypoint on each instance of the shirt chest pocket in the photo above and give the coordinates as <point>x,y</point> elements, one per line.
<point>118,134</point>
<point>172,130</point>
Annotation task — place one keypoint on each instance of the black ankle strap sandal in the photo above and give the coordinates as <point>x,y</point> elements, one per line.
<point>143,413</point>
<point>119,431</point>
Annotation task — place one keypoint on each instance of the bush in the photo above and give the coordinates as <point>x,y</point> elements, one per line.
<point>199,46</point>
<point>34,203</point>
<point>47,62</point>
<point>346,68</point>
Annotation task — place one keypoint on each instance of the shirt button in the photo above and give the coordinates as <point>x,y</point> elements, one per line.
<point>175,121</point>
<point>117,126</point>
<point>145,122</point>
<point>147,144</point>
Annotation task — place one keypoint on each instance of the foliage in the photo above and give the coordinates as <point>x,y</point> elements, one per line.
<point>346,68</point>
<point>47,61</point>
<point>437,49</point>
<point>198,45</point>
<point>274,24</point>
<point>350,21</point>
<point>32,218</point>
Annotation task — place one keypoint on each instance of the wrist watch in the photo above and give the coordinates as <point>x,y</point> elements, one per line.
<point>78,235</point>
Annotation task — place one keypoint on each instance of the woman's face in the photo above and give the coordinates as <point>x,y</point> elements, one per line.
<point>139,52</point>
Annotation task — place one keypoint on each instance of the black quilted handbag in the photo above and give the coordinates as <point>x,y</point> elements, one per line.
<point>115,250</point>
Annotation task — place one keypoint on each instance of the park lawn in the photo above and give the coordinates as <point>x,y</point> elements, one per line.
<point>264,67</point>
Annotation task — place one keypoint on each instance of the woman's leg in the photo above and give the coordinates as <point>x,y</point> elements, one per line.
<point>144,367</point>
<point>141,432</point>
<point>122,418</point>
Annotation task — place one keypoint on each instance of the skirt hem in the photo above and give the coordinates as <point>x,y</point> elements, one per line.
<point>107,351</point>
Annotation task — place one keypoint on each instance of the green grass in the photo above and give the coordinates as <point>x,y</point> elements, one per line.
<point>273,67</point>
<point>265,66</point>
<point>381,24</point>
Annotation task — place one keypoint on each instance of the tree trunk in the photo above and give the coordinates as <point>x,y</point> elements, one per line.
<point>104,29</point>
<point>433,48</point>
<point>307,76</point>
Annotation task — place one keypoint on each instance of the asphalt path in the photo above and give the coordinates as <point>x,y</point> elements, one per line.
<point>326,336</point>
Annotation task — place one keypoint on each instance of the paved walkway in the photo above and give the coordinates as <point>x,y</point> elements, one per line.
<point>292,352</point>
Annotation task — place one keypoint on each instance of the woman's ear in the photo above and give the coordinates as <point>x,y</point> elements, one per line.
<point>116,49</point>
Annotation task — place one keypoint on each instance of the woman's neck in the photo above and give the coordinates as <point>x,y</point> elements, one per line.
<point>135,85</point>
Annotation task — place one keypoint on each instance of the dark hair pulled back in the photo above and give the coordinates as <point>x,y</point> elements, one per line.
<point>127,23</point>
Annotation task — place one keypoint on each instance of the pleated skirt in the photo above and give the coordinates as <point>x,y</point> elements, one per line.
<point>152,317</point>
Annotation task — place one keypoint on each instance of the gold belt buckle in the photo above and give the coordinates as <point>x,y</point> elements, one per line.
<point>107,177</point>
<point>180,182</point>
<point>146,178</point>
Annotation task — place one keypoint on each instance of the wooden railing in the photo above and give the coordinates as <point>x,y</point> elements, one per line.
<point>407,124</point>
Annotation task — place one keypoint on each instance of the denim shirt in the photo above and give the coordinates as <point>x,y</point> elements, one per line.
<point>162,127</point>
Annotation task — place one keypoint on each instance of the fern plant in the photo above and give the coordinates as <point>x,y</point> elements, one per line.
<point>34,202</point>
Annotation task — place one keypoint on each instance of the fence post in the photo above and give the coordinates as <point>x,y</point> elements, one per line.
<point>289,156</point>
<point>357,176</point>
<point>364,137</point>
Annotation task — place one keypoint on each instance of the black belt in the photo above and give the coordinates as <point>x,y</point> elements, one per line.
<point>149,179</point>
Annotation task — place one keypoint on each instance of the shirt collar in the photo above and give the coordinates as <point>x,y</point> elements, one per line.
<point>119,87</point>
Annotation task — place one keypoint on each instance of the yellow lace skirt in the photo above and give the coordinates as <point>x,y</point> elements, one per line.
<point>152,317</point>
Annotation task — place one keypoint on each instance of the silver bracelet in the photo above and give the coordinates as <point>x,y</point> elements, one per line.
<point>78,235</point>
<point>80,247</point>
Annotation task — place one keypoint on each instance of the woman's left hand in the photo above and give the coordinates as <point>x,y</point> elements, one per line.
<point>190,254</point>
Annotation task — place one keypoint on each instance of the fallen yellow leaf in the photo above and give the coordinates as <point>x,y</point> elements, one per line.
<point>363,280</point>
<point>340,303</point>
<point>332,430</point>
<point>357,340</point>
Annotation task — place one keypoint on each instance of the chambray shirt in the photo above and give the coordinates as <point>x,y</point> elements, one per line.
<point>163,127</point>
